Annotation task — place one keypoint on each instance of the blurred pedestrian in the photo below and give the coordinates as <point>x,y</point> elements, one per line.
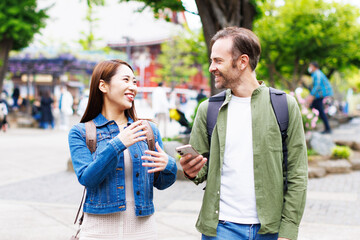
<point>176,114</point>
<point>4,110</point>
<point>15,96</point>
<point>246,178</point>
<point>321,88</point>
<point>46,118</point>
<point>65,107</point>
<point>201,96</point>
<point>83,103</point>
<point>160,106</point>
<point>120,175</point>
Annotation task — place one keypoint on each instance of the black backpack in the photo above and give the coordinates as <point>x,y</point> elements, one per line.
<point>280,107</point>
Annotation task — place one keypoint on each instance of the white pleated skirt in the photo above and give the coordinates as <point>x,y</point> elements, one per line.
<point>121,225</point>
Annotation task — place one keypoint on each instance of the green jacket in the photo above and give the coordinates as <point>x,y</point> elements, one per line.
<point>278,212</point>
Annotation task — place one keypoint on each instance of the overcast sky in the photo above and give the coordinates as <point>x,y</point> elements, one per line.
<point>116,20</point>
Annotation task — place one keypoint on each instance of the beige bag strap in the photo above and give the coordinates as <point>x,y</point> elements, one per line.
<point>150,136</point>
<point>90,129</point>
<point>78,212</point>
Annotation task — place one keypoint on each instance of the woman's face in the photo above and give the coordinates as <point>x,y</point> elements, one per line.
<point>122,89</point>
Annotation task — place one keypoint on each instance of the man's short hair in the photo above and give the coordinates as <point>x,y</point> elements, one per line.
<point>244,42</point>
<point>315,64</point>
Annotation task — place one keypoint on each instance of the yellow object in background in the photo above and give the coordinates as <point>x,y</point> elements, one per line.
<point>174,114</point>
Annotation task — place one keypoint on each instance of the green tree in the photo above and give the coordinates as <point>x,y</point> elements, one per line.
<point>19,21</point>
<point>89,38</point>
<point>300,31</point>
<point>182,57</point>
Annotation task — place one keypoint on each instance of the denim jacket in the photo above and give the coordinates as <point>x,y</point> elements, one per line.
<point>102,172</point>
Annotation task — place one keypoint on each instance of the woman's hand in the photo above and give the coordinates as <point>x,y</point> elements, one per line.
<point>158,159</point>
<point>132,134</point>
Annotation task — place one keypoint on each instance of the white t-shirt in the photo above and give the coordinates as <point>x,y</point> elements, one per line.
<point>237,192</point>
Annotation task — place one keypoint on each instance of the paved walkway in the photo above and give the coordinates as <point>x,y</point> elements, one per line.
<point>39,199</point>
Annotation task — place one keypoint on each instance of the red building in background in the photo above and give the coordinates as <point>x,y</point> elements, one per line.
<point>142,54</point>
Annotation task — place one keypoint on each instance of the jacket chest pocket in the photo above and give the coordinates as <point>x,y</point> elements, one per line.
<point>102,139</point>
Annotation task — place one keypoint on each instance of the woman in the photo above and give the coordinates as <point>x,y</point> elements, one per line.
<point>119,175</point>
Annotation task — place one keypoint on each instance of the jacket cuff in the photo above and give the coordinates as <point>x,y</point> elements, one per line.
<point>170,165</point>
<point>288,230</point>
<point>117,144</point>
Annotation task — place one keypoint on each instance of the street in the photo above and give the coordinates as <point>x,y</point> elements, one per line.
<point>39,198</point>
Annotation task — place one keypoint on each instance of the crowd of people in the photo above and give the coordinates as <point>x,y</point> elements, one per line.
<point>43,108</point>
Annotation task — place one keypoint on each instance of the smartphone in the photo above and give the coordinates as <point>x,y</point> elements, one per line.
<point>186,149</point>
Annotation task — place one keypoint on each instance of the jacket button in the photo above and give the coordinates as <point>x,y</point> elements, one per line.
<point>138,193</point>
<point>137,174</point>
<point>136,155</point>
<point>121,187</point>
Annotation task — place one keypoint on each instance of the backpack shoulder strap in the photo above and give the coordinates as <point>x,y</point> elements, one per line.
<point>90,130</point>
<point>215,103</point>
<point>279,104</point>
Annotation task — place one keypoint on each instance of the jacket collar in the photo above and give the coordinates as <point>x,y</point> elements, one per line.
<point>255,92</point>
<point>100,120</point>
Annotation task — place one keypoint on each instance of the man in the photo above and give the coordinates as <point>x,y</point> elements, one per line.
<point>320,88</point>
<point>200,95</point>
<point>244,196</point>
<point>160,106</point>
<point>65,107</point>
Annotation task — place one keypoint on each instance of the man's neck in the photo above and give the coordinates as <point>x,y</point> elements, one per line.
<point>247,84</point>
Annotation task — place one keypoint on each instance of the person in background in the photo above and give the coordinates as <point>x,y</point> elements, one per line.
<point>321,88</point>
<point>15,96</point>
<point>4,111</point>
<point>83,103</point>
<point>245,197</point>
<point>160,106</point>
<point>200,95</point>
<point>46,118</point>
<point>120,175</point>
<point>65,107</point>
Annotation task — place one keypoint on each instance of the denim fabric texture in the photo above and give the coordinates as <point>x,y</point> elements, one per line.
<point>102,172</point>
<point>228,230</point>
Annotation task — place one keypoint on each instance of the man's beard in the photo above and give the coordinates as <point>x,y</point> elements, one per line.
<point>227,81</point>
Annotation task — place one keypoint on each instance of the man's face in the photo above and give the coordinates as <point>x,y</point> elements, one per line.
<point>311,68</point>
<point>226,76</point>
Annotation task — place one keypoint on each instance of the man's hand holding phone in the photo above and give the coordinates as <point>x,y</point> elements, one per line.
<point>191,161</point>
